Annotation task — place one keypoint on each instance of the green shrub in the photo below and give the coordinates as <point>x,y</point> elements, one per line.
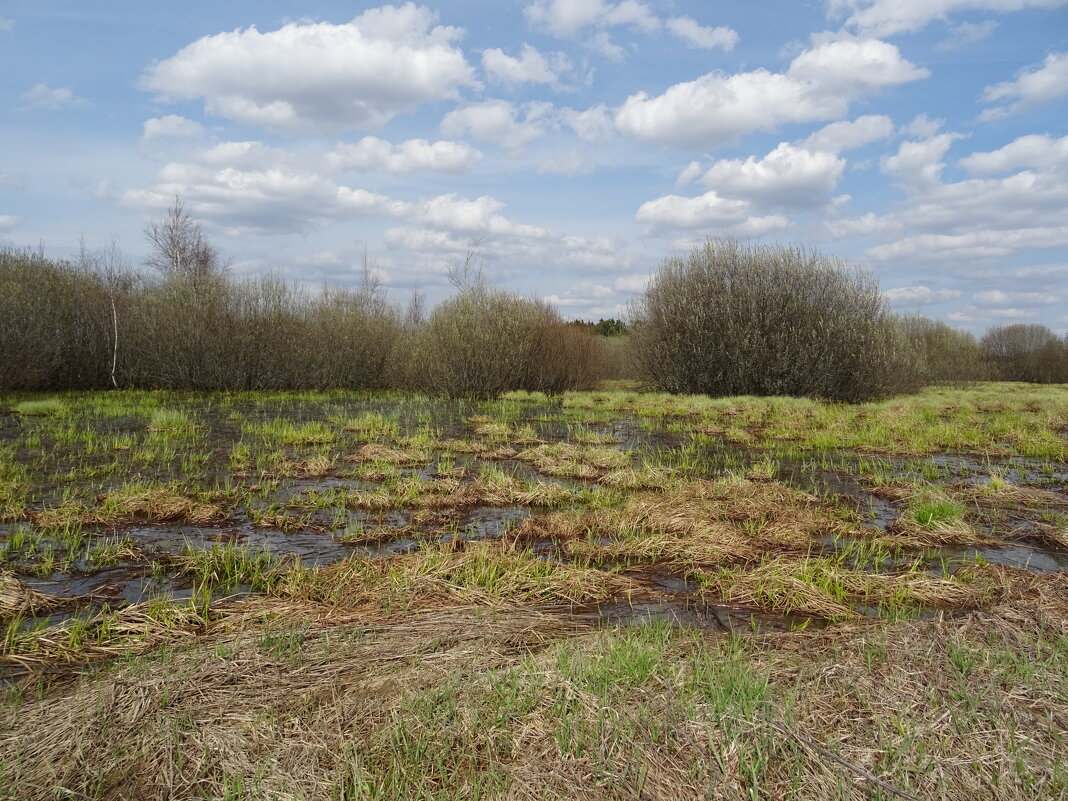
<point>485,342</point>
<point>730,319</point>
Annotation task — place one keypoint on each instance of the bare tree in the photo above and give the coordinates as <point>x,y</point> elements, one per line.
<point>179,247</point>
<point>468,274</point>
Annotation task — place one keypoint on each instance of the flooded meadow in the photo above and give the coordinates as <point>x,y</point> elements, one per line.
<point>545,568</point>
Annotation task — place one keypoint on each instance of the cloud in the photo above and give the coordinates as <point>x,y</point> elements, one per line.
<point>787,176</point>
<point>972,245</point>
<point>1031,88</point>
<point>319,76</point>
<point>42,96</point>
<point>708,211</point>
<point>566,18</point>
<point>848,135</point>
<point>571,162</point>
<point>919,164</point>
<point>968,33</point>
<point>820,84</point>
<point>919,295</point>
<point>252,187</point>
<point>498,121</point>
<point>701,36</point>
<point>923,127</point>
<point>887,17</point>
<point>530,67</point>
<point>8,222</point>
<point>691,172</point>
<point>592,125</point>
<point>170,126</point>
<point>996,297</point>
<point>372,154</point>
<point>6,23</point>
<point>1034,150</point>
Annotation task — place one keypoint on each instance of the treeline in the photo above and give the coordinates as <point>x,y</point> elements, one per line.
<point>725,319</point>
<point>67,325</point>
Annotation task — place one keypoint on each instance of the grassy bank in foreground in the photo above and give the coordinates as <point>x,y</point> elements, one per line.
<point>471,699</point>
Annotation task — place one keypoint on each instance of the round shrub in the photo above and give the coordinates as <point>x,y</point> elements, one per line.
<point>485,342</point>
<point>732,319</point>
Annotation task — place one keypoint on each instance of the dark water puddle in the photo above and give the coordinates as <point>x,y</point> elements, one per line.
<point>1037,560</point>
<point>690,614</point>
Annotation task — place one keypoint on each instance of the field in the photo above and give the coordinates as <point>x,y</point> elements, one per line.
<point>610,594</point>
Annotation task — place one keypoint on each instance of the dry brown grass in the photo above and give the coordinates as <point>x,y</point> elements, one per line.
<point>574,461</point>
<point>313,467</point>
<point>824,588</point>
<point>151,505</point>
<point>296,700</point>
<point>16,599</point>
<point>703,522</point>
<point>384,454</point>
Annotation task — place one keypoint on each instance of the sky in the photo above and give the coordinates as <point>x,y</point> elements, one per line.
<point>567,146</point>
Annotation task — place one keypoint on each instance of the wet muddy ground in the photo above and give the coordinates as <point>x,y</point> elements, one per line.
<point>289,478</point>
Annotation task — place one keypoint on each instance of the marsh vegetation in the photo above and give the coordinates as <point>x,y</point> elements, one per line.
<point>609,594</point>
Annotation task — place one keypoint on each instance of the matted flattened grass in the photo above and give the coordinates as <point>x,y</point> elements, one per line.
<point>298,701</point>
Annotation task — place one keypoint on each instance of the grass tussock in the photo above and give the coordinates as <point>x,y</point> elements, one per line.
<point>566,460</point>
<point>132,505</point>
<point>697,523</point>
<point>47,407</point>
<point>384,454</point>
<point>462,572</point>
<point>826,588</point>
<point>16,599</point>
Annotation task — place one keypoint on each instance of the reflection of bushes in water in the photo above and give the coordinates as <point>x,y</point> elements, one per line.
<point>730,319</point>
<point>485,342</point>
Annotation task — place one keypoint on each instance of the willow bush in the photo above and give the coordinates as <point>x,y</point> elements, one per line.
<point>733,319</point>
<point>1026,352</point>
<point>946,355</point>
<point>484,342</point>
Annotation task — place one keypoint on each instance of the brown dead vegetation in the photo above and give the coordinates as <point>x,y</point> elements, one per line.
<point>302,700</point>
<point>150,505</point>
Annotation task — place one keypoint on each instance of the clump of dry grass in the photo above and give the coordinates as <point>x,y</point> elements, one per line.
<point>400,457</point>
<point>16,599</point>
<point>645,477</point>
<point>133,504</point>
<point>701,522</point>
<point>312,467</point>
<point>450,573</point>
<point>574,461</point>
<point>825,588</point>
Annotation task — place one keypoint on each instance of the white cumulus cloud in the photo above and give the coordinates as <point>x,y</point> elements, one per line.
<point>887,17</point>
<point>48,98</point>
<point>787,176</point>
<point>371,154</point>
<point>701,36</point>
<point>531,66</point>
<point>498,121</point>
<point>919,295</point>
<point>850,134</point>
<point>320,76</point>
<point>820,84</point>
<point>1032,87</point>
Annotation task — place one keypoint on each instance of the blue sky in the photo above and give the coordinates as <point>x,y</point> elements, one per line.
<point>577,142</point>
